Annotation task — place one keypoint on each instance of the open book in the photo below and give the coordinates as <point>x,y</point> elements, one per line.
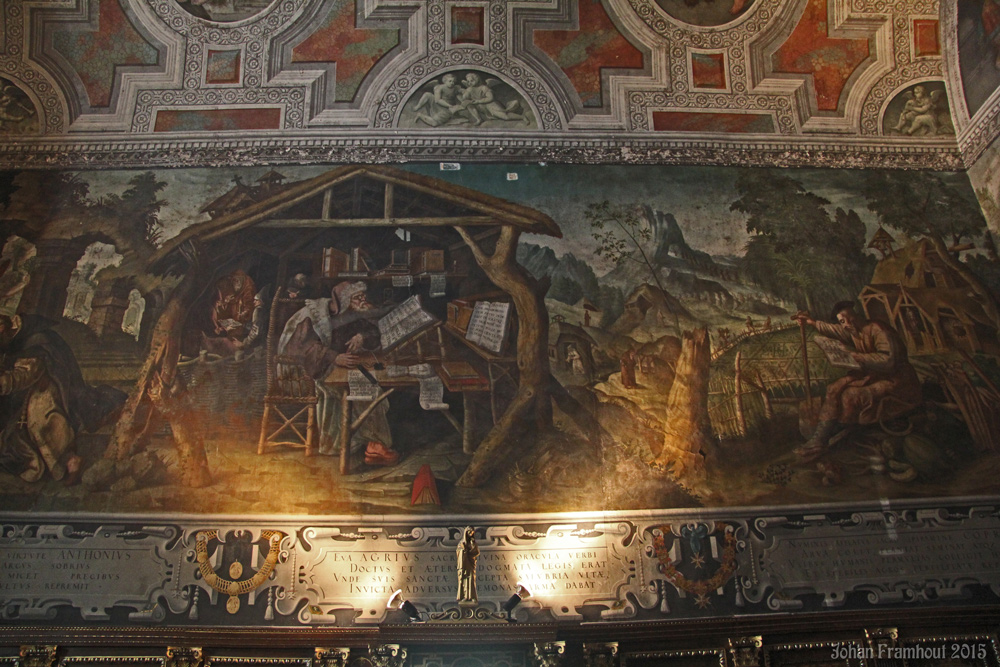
<point>404,321</point>
<point>488,325</point>
<point>836,352</point>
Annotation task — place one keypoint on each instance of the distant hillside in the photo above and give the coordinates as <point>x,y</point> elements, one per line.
<point>670,245</point>
<point>572,279</point>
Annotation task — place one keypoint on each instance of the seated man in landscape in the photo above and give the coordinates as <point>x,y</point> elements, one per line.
<point>884,372</point>
<point>340,331</point>
<point>44,401</point>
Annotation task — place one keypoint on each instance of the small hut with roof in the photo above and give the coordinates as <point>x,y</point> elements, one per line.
<point>276,230</point>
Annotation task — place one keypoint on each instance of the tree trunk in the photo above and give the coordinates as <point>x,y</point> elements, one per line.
<point>531,407</point>
<point>155,388</point>
<point>687,425</point>
<point>191,457</point>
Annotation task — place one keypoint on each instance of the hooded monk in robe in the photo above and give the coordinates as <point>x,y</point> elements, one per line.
<point>44,401</point>
<point>339,331</point>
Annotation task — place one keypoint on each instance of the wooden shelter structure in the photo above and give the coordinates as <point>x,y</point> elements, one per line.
<point>349,207</point>
<point>929,302</point>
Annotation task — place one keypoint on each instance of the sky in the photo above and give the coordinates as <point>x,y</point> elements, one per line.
<point>699,197</point>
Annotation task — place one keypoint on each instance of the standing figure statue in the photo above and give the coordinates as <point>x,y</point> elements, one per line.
<point>467,553</point>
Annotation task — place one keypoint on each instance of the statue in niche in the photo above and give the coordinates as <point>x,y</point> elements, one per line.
<point>467,553</point>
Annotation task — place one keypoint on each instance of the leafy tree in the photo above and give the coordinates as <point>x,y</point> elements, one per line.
<point>796,250</point>
<point>621,234</point>
<point>920,203</point>
<point>139,206</point>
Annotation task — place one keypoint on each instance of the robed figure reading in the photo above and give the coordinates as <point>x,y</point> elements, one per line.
<point>467,553</point>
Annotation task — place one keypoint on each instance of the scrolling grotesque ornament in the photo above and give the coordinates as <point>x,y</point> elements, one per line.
<point>467,556</point>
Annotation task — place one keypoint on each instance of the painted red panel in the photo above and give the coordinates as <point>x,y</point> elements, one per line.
<point>354,50</point>
<point>468,25</point>
<point>583,53</point>
<point>708,70</point>
<point>693,121</point>
<point>95,54</point>
<point>925,38</point>
<point>223,67</point>
<point>217,120</point>
<point>810,50</point>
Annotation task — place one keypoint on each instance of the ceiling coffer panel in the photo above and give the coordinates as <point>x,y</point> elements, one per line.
<point>822,82</point>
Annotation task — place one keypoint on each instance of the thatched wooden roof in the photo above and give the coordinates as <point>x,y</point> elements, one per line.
<point>366,196</point>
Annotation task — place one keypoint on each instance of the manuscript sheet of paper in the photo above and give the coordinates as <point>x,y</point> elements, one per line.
<point>360,388</point>
<point>488,325</point>
<point>403,321</point>
<point>836,352</point>
<point>432,394</point>
<point>438,284</point>
<point>416,370</point>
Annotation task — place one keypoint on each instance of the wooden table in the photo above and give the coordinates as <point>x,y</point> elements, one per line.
<point>498,366</point>
<point>338,379</point>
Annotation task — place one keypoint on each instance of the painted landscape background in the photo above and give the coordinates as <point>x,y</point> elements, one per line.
<point>670,301</point>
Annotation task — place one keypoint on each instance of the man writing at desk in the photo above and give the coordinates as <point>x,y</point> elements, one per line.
<point>339,331</point>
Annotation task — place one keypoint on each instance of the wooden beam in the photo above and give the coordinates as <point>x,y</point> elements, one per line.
<point>387,207</point>
<point>476,237</point>
<point>457,221</point>
<point>327,201</point>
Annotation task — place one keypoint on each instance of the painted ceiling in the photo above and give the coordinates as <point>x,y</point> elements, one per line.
<point>806,82</point>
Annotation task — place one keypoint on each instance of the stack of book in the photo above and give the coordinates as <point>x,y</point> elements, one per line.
<point>461,374</point>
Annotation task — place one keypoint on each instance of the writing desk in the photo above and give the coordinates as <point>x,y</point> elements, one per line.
<point>498,366</point>
<point>338,379</point>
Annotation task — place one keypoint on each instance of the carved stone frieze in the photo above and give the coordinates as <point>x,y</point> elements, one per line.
<point>643,567</point>
<point>891,557</point>
<point>399,147</point>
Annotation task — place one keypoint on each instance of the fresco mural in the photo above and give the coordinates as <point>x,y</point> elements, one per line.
<point>985,178</point>
<point>979,51</point>
<point>494,338</point>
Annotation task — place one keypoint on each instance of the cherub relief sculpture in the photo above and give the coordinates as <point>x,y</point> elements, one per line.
<point>922,115</point>
<point>469,99</point>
